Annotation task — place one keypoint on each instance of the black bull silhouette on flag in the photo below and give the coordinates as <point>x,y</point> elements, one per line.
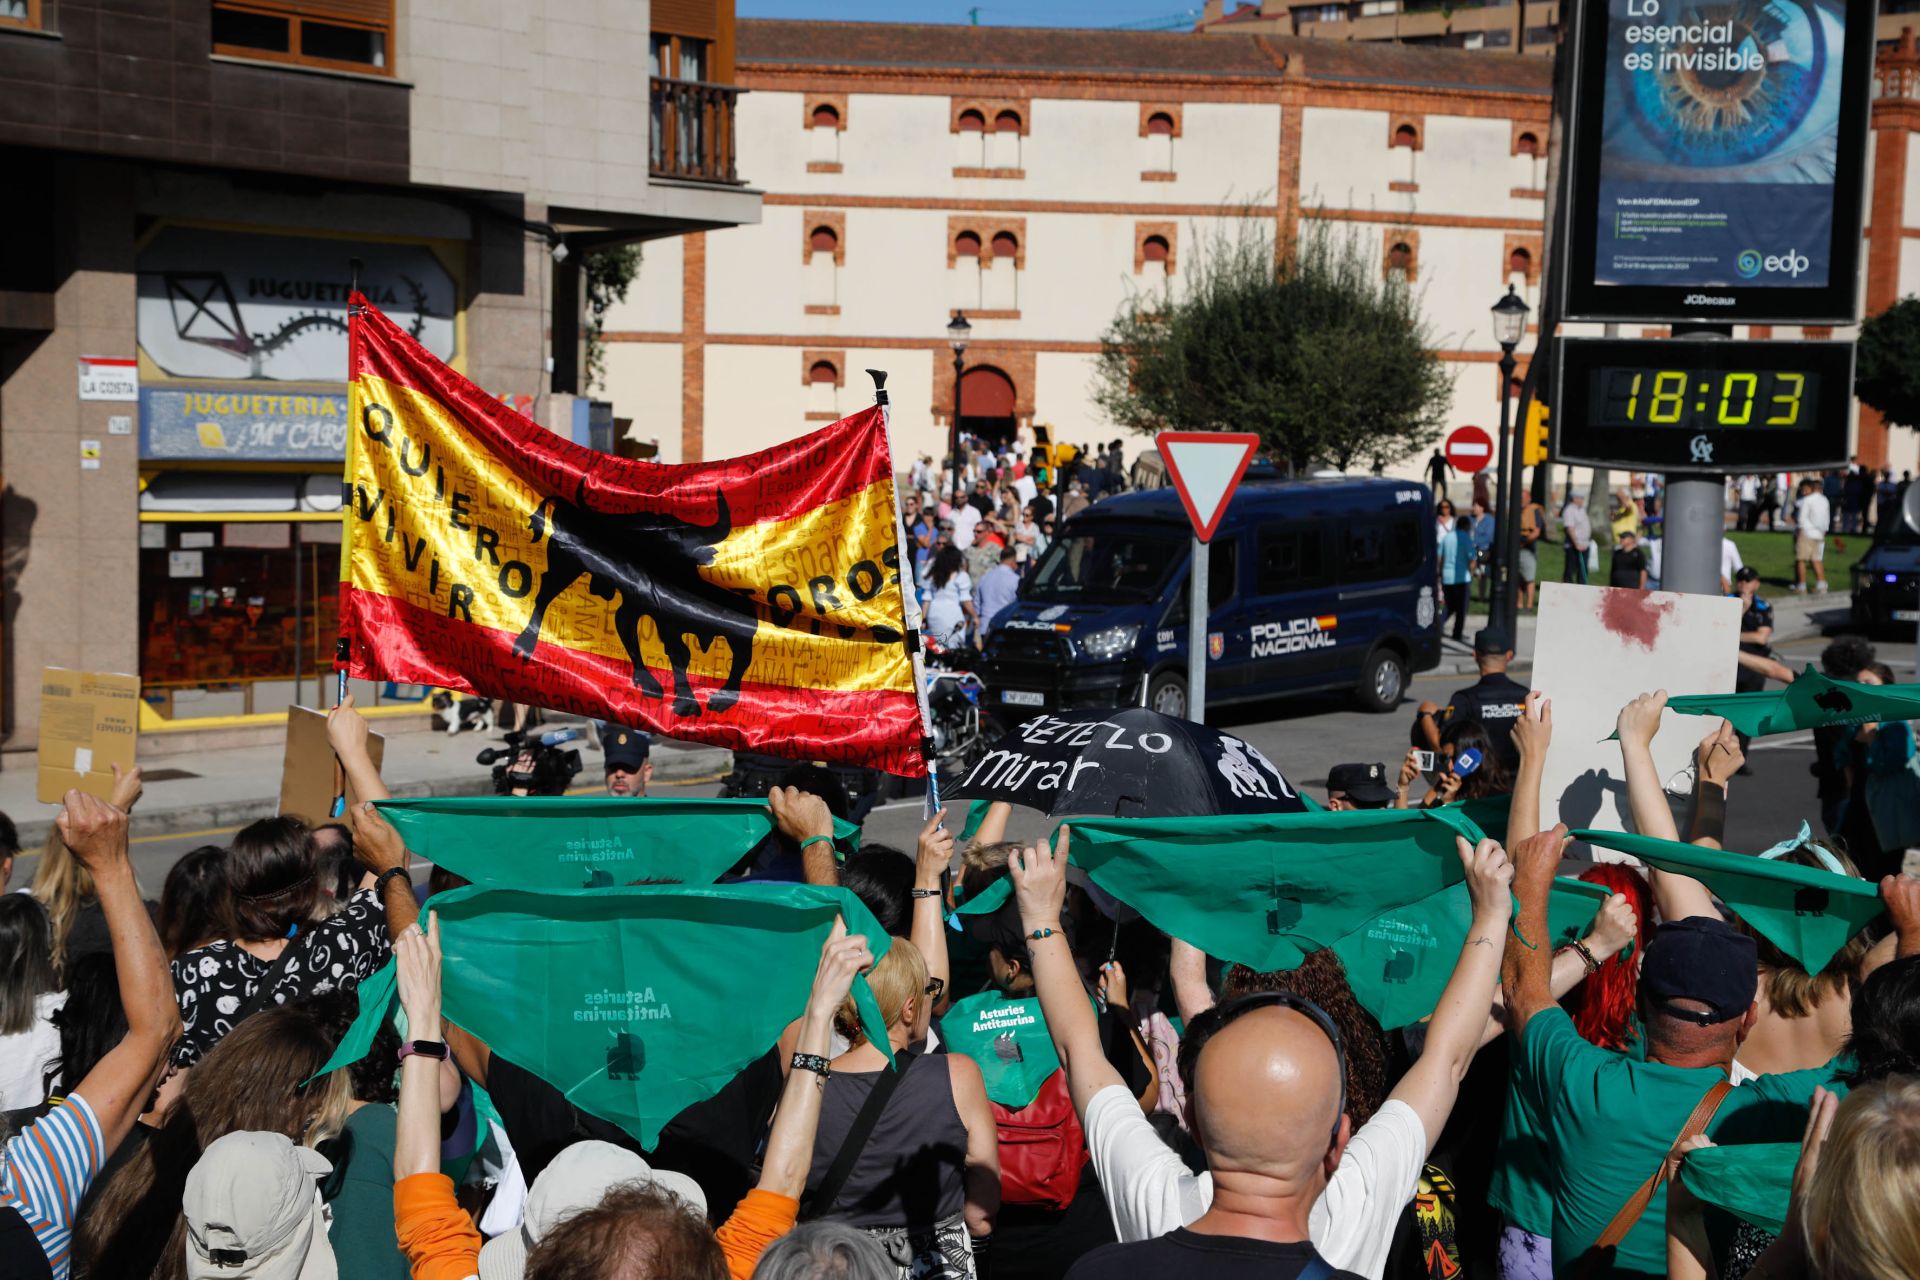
<point>610,548</point>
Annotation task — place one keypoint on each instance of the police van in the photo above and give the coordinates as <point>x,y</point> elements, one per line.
<point>1312,584</point>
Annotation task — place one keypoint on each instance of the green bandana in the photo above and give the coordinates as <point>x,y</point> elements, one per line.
<point>1811,701</point>
<point>583,842</point>
<point>1265,891</point>
<point>634,1002</point>
<point>1752,1182</point>
<point>1807,912</point>
<point>1399,962</point>
<point>976,814</point>
<point>1006,1036</point>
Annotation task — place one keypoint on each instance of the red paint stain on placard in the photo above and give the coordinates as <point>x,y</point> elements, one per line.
<point>1632,615</point>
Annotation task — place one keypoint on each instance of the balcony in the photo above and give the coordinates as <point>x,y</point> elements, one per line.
<point>693,131</point>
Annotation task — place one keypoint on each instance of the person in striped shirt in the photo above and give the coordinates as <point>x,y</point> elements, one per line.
<point>46,1167</point>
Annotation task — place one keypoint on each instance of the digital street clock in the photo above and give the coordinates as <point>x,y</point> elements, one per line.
<point>1686,405</point>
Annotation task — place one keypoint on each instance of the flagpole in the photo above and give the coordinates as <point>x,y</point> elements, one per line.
<point>342,649</point>
<point>910,621</point>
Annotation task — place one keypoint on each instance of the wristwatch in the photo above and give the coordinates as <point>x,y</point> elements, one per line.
<point>435,1049</point>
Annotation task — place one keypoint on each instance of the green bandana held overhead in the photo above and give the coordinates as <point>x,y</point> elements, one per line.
<point>1265,890</point>
<point>1805,911</point>
<point>1399,962</point>
<point>1811,701</point>
<point>634,1002</point>
<point>583,842</point>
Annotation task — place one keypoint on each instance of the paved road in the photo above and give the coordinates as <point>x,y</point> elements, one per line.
<point>1303,736</point>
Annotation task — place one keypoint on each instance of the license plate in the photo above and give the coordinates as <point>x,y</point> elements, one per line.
<point>1021,698</point>
<point>1906,615</point>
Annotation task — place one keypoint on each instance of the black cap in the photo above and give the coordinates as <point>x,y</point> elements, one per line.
<point>1702,959</point>
<point>626,748</point>
<point>1360,783</point>
<point>1491,640</point>
<point>1746,573</point>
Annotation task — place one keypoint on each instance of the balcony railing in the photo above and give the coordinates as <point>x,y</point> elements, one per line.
<point>693,130</point>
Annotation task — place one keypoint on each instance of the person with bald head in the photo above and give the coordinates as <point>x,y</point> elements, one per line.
<point>1291,1189</point>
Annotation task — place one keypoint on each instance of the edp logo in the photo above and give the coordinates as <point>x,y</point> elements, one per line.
<point>1751,263</point>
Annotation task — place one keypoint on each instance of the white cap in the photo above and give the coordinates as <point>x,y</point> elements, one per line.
<point>253,1211</point>
<point>577,1179</point>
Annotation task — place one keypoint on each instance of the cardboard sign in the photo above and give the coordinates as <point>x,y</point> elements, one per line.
<point>309,778</point>
<point>1597,649</point>
<point>88,723</point>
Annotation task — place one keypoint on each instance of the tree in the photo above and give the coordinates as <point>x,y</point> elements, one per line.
<point>1311,348</point>
<point>1887,370</point>
<point>609,272</point>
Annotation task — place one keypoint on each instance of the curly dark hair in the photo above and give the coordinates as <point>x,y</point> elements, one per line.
<point>1846,658</point>
<point>1322,979</point>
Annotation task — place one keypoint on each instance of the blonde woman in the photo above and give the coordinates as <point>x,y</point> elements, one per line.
<point>65,887</point>
<point>926,1183</point>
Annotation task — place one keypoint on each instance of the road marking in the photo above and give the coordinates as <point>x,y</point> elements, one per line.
<point>183,835</point>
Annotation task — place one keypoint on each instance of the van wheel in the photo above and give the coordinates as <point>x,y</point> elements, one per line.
<point>1383,681</point>
<point>1168,695</point>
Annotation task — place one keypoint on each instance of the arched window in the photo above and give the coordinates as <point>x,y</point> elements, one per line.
<point>1007,122</point>
<point>1160,123</point>
<point>1406,136</point>
<point>1527,145</point>
<point>826,116</point>
<point>972,121</point>
<point>1155,249</point>
<point>970,142</point>
<point>1519,263</point>
<point>966,245</point>
<point>1005,245</point>
<point>1157,146</point>
<point>823,387</point>
<point>823,240</point>
<point>1400,261</point>
<point>823,371</point>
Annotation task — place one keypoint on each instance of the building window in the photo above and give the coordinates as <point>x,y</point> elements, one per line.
<point>1519,263</point>
<point>20,13</point>
<point>965,267</point>
<point>1400,257</point>
<point>999,281</point>
<point>823,389</point>
<point>825,253</point>
<point>1407,136</point>
<point>1403,146</point>
<point>1158,144</point>
<point>971,141</point>
<point>1529,160</point>
<point>344,35</point>
<point>1153,246</point>
<point>1003,148</point>
<point>824,135</point>
<point>1522,266</point>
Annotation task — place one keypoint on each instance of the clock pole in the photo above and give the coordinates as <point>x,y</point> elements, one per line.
<point>1694,502</point>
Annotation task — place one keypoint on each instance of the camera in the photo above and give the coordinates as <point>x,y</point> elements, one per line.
<point>533,765</point>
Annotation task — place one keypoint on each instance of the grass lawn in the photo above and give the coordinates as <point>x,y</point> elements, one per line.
<point>1770,553</point>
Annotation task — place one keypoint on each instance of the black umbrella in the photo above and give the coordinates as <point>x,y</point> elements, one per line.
<point>1127,763</point>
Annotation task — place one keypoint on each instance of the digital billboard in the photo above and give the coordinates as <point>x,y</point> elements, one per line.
<point>1717,160</point>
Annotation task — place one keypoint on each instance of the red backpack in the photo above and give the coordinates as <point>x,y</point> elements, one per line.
<point>1042,1147</point>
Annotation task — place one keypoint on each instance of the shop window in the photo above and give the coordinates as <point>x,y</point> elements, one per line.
<point>346,35</point>
<point>823,389</point>
<point>1003,148</point>
<point>999,287</point>
<point>970,140</point>
<point>1158,144</point>
<point>966,270</point>
<point>20,13</point>
<point>824,135</point>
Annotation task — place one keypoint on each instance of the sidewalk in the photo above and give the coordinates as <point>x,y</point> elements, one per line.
<point>215,789</point>
<point>1794,618</point>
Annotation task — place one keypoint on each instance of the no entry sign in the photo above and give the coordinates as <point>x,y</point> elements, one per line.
<point>1469,449</point>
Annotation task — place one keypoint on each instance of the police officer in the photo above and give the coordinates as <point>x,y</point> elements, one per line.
<point>1358,786</point>
<point>629,762</point>
<point>1756,628</point>
<point>1496,700</point>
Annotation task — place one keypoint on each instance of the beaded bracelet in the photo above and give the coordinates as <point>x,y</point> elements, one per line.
<point>812,1062</point>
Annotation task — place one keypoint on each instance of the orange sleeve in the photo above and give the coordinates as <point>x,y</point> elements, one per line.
<point>759,1220</point>
<point>434,1232</point>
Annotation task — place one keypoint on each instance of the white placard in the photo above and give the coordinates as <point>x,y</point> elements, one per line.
<point>1597,648</point>
<point>186,564</point>
<point>196,538</point>
<point>120,424</point>
<point>109,378</point>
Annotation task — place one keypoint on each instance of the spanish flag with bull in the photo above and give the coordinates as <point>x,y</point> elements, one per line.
<point>755,602</point>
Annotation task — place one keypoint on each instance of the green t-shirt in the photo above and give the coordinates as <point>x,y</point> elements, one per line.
<point>364,1243</point>
<point>1607,1122</point>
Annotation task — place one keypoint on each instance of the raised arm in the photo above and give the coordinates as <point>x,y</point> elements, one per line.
<point>380,850</point>
<point>1454,1035</point>
<point>993,827</point>
<point>1532,735</point>
<point>1187,969</point>
<point>119,1085</point>
<point>805,819</point>
<point>1677,896</point>
<point>789,1154</point>
<point>1526,970</point>
<point>1613,926</point>
<point>1715,761</point>
<point>347,735</point>
<point>932,857</point>
<point>1040,885</point>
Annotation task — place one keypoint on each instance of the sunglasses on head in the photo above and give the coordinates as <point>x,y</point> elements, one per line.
<point>1235,1009</point>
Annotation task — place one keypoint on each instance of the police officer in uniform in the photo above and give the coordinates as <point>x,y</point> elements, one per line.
<point>1358,786</point>
<point>629,762</point>
<point>1496,700</point>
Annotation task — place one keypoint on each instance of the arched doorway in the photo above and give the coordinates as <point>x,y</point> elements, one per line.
<point>987,404</point>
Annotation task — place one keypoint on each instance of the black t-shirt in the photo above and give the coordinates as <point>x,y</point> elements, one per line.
<point>1627,567</point>
<point>1187,1255</point>
<point>1496,701</point>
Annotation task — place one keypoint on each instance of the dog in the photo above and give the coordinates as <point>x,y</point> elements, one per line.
<point>463,712</point>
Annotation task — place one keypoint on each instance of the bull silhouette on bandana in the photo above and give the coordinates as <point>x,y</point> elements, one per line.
<point>650,561</point>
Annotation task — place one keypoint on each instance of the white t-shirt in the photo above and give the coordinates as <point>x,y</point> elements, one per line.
<point>26,1055</point>
<point>1027,489</point>
<point>1749,488</point>
<point>1150,1191</point>
<point>965,517</point>
<point>1729,559</point>
<point>1813,514</point>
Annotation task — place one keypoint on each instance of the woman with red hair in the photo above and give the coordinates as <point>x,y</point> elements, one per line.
<point>1602,1006</point>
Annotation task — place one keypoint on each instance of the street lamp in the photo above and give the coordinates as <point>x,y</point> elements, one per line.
<point>1509,326</point>
<point>958,331</point>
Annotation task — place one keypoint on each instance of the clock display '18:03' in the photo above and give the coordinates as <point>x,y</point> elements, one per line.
<point>1704,400</point>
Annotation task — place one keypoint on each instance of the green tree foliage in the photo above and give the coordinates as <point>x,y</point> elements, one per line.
<point>609,274</point>
<point>1887,372</point>
<point>1312,349</point>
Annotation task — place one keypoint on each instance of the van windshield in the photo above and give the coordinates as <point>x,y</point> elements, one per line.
<point>1108,566</point>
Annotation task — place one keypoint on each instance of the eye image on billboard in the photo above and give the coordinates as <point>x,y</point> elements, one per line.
<point>1723,161</point>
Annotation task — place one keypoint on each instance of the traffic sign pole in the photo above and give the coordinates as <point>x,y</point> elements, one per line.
<point>1205,467</point>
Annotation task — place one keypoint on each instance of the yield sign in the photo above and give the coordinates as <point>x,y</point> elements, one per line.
<point>1206,466</point>
<point>1469,449</point>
